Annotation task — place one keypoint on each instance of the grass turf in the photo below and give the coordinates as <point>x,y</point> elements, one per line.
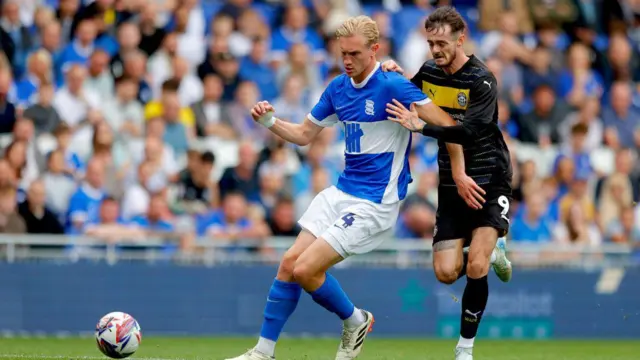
<point>321,349</point>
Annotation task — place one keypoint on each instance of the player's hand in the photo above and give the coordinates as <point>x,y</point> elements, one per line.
<point>407,118</point>
<point>470,192</point>
<point>260,109</point>
<point>392,66</point>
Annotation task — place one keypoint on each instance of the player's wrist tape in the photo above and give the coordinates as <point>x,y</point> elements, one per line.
<point>267,120</point>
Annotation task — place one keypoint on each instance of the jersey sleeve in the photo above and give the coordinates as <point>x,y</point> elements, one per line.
<point>482,102</point>
<point>405,91</point>
<point>323,113</point>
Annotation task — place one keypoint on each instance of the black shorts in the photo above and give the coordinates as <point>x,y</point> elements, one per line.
<point>456,220</point>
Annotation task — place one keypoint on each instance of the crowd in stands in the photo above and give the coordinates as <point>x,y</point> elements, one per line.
<point>125,119</point>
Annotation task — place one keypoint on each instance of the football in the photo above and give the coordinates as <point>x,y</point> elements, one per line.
<point>118,335</point>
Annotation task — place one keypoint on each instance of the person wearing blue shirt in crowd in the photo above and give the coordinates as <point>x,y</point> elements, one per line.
<point>295,30</point>
<point>153,224</point>
<point>84,205</point>
<point>532,224</point>
<point>228,223</point>
<point>255,67</point>
<point>79,50</point>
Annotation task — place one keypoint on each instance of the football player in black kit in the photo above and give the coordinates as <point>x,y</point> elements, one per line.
<point>464,87</point>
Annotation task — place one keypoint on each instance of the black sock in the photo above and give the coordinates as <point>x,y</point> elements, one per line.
<point>474,301</point>
<point>463,270</point>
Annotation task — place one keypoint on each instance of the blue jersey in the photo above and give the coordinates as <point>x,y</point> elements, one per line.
<point>376,150</point>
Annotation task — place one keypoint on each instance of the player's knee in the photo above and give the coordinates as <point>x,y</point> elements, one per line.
<point>287,264</point>
<point>477,267</point>
<point>302,273</point>
<point>446,275</point>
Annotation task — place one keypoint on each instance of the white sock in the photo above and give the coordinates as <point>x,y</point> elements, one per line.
<point>465,343</point>
<point>493,256</point>
<point>266,346</point>
<point>356,319</point>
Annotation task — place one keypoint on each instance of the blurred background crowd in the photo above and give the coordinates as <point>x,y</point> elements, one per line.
<point>125,119</point>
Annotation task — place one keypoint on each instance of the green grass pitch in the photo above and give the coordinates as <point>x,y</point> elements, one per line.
<point>159,348</point>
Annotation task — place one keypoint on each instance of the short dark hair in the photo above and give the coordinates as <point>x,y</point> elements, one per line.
<point>445,15</point>
<point>579,129</point>
<point>170,85</point>
<point>208,157</point>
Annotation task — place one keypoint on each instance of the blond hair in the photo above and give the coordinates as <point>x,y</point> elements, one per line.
<point>360,25</point>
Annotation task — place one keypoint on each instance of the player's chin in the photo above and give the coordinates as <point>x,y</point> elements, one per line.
<point>441,61</point>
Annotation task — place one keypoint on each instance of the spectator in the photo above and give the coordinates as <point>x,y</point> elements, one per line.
<point>38,71</point>
<point>577,228</point>
<point>24,131</point>
<point>19,33</point>
<point>621,121</point>
<point>84,205</point>
<point>175,134</point>
<point>624,162</point>
<point>240,111</point>
<point>577,149</point>
<point>79,50</point>
<point>271,180</point>
<point>135,65</point>
<point>155,109</point>
<point>507,124</point>
<point>578,195</point>
<point>152,35</point>
<point>491,10</point>
<point>299,62</point>
<point>528,181</point>
<point>227,67</point>
<point>416,222</point>
<point>531,224</point>
<point>540,126</point>
<point>110,227</point>
<point>160,156</point>
<point>196,190</point>
<point>250,32</point>
<point>72,163</point>
<point>291,105</point>
<point>295,30</point>
<point>579,81</point>
<point>44,115</point>
<point>622,63</point>
<point>124,113</point>
<point>7,109</point>
<point>66,11</point>
<point>616,195</point>
<point>282,221</point>
<point>211,116</point>
<point>587,115</point>
<point>255,67</point>
<point>624,230</point>
<point>38,218</point>
<point>159,64</point>
<point>231,222</point>
<point>99,79</point>
<point>190,88</point>
<point>137,197</point>
<point>74,102</point>
<point>128,41</point>
<point>540,71</point>
<point>113,155</point>
<point>10,221</point>
<point>243,177</point>
<point>59,186</point>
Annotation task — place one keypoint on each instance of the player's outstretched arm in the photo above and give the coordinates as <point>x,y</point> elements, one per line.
<point>410,119</point>
<point>299,134</point>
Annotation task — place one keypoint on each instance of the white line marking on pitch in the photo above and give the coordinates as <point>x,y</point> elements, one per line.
<point>68,357</point>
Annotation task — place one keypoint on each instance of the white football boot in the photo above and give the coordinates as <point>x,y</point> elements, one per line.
<point>352,339</point>
<point>253,354</point>
<point>464,353</point>
<point>501,265</point>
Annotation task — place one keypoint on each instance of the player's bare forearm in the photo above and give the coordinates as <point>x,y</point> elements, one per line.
<point>299,134</point>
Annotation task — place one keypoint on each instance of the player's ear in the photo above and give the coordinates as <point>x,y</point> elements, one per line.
<point>461,39</point>
<point>375,47</point>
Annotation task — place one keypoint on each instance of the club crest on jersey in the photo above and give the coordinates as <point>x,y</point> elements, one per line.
<point>462,99</point>
<point>368,107</point>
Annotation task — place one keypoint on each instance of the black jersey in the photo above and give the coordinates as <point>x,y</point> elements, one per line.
<point>470,97</point>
